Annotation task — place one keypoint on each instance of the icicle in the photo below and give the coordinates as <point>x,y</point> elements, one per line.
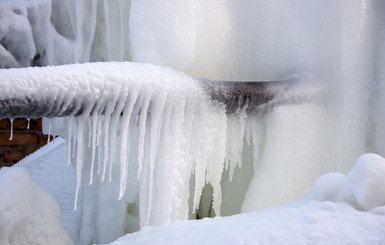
<point>92,30</point>
<point>109,109</point>
<point>49,130</point>
<point>11,133</point>
<point>69,141</point>
<point>93,145</point>
<point>156,113</point>
<point>79,156</point>
<point>89,133</point>
<point>142,130</point>
<point>98,137</point>
<point>119,107</point>
<point>256,137</point>
<point>74,141</point>
<point>29,122</point>
<point>133,96</point>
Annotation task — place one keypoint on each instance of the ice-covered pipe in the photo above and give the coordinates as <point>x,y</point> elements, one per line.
<point>59,91</point>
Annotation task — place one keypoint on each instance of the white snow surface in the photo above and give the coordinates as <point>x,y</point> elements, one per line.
<point>332,213</point>
<point>28,214</point>
<point>300,222</point>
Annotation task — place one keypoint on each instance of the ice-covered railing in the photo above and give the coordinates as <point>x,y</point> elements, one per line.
<point>60,91</point>
<point>169,125</point>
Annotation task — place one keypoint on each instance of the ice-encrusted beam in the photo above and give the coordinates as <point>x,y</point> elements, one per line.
<point>59,91</point>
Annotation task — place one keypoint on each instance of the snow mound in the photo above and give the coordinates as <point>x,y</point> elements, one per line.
<point>363,187</point>
<point>315,219</point>
<point>28,215</point>
<point>301,222</point>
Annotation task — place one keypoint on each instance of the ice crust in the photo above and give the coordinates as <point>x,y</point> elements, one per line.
<point>28,214</point>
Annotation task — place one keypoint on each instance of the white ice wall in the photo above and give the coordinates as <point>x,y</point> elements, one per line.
<point>340,43</point>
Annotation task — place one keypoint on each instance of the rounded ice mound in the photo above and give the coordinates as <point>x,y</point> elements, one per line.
<point>363,187</point>
<point>367,179</point>
<point>332,187</point>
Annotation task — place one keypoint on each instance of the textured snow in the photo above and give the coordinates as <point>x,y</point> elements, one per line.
<point>300,222</point>
<point>28,214</point>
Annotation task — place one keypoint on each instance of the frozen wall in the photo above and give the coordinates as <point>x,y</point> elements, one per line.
<point>340,43</point>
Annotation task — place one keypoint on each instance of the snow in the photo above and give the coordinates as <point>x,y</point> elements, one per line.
<point>300,222</point>
<point>44,166</point>
<point>28,214</point>
<point>327,215</point>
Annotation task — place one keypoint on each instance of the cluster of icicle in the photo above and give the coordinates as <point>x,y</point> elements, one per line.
<point>162,138</point>
<point>153,130</point>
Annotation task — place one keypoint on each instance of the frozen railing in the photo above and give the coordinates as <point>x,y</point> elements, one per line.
<point>72,89</point>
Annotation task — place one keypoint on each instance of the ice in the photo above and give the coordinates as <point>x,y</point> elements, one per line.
<point>316,218</point>
<point>363,187</point>
<point>27,212</point>
<point>368,182</point>
<point>166,151</point>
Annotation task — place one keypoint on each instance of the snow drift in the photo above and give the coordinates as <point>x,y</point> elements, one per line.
<point>336,200</point>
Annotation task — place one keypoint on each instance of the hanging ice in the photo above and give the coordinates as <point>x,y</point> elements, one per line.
<point>166,127</point>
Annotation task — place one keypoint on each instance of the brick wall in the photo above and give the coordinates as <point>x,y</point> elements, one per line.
<point>25,139</point>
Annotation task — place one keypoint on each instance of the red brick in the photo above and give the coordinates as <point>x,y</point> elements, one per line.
<point>39,124</point>
<point>15,156</point>
<point>43,139</point>
<point>3,123</point>
<point>18,139</point>
<point>20,123</point>
<point>6,164</point>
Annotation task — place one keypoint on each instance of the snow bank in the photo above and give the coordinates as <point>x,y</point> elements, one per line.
<point>28,215</point>
<point>301,222</point>
<point>363,187</point>
<point>335,201</point>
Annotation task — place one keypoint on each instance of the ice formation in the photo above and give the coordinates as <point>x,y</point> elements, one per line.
<point>336,200</point>
<point>166,134</point>
<point>363,187</point>
<point>28,214</point>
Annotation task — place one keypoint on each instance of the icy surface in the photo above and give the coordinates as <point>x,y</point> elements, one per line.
<point>28,214</point>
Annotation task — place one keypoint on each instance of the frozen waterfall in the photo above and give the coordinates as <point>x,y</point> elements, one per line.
<point>155,146</point>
